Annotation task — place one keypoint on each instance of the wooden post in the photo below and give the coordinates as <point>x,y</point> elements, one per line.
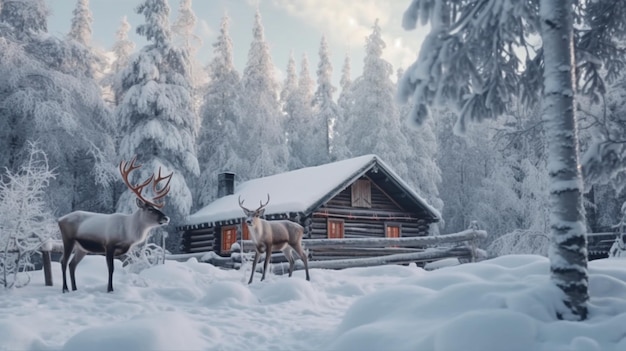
<point>47,269</point>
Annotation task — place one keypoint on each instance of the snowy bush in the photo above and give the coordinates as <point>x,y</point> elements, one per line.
<point>25,219</point>
<point>520,242</point>
<point>144,255</point>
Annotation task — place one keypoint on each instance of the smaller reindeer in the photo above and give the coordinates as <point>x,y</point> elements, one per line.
<point>284,235</point>
<point>112,234</point>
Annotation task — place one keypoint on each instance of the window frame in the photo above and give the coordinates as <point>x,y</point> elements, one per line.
<point>223,233</point>
<point>361,193</point>
<point>341,223</point>
<point>393,225</point>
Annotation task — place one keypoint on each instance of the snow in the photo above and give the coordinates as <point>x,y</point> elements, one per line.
<point>286,190</point>
<point>506,303</point>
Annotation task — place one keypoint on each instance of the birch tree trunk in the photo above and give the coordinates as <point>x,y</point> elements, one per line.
<point>568,251</point>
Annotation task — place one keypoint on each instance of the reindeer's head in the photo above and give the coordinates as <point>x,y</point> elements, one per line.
<point>149,211</point>
<point>252,215</point>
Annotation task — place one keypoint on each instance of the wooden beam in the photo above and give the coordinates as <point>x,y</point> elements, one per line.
<point>430,255</point>
<point>466,235</point>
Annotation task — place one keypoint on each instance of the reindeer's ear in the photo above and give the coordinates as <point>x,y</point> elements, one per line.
<point>140,203</point>
<point>261,212</point>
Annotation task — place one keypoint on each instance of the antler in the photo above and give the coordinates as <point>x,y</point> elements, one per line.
<point>241,204</point>
<point>266,202</point>
<point>164,190</point>
<point>260,203</point>
<point>126,169</point>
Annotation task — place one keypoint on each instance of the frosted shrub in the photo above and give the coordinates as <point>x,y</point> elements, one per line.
<point>520,242</point>
<point>25,220</point>
<point>143,256</point>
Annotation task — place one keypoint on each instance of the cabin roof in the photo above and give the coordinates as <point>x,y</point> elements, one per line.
<point>303,190</point>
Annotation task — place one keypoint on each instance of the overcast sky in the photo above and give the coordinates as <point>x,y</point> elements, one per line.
<point>290,25</point>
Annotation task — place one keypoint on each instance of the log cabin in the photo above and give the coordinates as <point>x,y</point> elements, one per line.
<point>355,198</point>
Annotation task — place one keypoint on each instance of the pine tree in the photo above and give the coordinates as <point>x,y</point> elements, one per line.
<point>340,127</point>
<point>122,49</point>
<point>289,103</point>
<point>424,174</point>
<point>301,132</point>
<point>326,110</point>
<point>373,119</point>
<point>184,26</point>
<point>156,119</point>
<point>81,23</point>
<point>219,144</point>
<point>184,37</point>
<point>263,138</point>
<point>50,96</point>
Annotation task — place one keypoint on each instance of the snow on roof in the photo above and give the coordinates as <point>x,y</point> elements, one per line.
<point>295,191</point>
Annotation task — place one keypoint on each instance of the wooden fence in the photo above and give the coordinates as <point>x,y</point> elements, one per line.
<point>358,252</point>
<point>334,253</point>
<point>47,249</point>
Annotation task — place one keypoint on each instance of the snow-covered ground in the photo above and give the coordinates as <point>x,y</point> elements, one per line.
<point>505,303</point>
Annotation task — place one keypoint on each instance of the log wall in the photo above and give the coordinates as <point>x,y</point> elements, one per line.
<point>365,222</point>
<point>199,240</point>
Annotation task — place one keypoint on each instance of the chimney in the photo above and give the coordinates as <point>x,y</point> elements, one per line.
<point>225,184</point>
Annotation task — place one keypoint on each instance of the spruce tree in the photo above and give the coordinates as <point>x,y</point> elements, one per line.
<point>156,117</point>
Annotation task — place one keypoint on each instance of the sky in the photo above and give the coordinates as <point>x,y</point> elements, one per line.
<point>505,303</point>
<point>290,27</point>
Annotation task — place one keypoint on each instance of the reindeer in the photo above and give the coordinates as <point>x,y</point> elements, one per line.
<point>285,236</point>
<point>112,234</point>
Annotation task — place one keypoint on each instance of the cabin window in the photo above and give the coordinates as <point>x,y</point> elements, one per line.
<point>362,193</point>
<point>229,237</point>
<point>335,229</point>
<point>392,230</point>
<point>245,231</point>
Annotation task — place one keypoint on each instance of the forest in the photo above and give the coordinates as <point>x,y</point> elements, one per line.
<point>75,111</point>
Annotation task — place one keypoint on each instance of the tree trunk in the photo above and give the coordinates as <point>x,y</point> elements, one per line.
<point>568,251</point>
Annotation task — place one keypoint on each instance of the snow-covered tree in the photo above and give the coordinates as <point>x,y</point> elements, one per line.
<point>290,86</point>
<point>26,220</point>
<point>289,103</point>
<point>50,96</point>
<point>156,117</point>
<point>468,37</point>
<point>605,159</point>
<point>184,26</point>
<point>300,129</point>
<point>93,60</point>
<point>345,102</point>
<point>219,143</point>
<point>122,50</point>
<point>25,18</point>
<point>464,163</point>
<point>424,174</point>
<point>326,111</point>
<point>374,109</point>
<point>80,29</point>
<point>262,138</point>
<point>184,37</point>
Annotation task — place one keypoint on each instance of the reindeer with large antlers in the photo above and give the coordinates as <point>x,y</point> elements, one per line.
<point>268,236</point>
<point>112,234</point>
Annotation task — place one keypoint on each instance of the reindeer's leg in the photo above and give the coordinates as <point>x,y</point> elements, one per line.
<point>110,251</point>
<point>303,257</point>
<point>78,256</point>
<point>256,258</point>
<point>288,252</point>
<point>68,246</point>
<point>268,258</point>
